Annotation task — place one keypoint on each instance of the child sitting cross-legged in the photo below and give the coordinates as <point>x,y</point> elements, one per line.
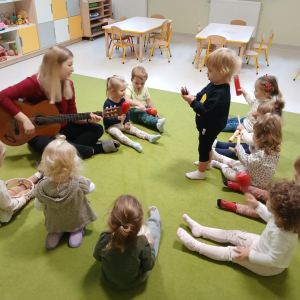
<point>115,90</point>
<point>267,254</point>
<point>137,95</point>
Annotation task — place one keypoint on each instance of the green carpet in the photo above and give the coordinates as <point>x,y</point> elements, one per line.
<point>156,177</point>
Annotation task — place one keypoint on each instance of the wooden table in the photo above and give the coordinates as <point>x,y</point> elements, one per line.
<point>233,34</point>
<point>137,26</point>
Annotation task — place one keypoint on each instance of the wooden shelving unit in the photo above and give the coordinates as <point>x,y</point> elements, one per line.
<point>104,8</point>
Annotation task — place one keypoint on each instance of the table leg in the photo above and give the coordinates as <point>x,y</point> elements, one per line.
<point>242,50</point>
<point>197,54</point>
<point>106,43</point>
<point>141,48</point>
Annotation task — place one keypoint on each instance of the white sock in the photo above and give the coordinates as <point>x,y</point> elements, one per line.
<point>137,146</point>
<point>215,155</point>
<point>197,175</point>
<point>214,144</point>
<point>208,166</point>
<point>153,138</point>
<point>216,164</point>
<point>195,227</point>
<point>188,241</point>
<point>160,124</point>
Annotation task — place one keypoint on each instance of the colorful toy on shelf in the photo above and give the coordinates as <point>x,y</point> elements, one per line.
<point>2,26</point>
<point>19,17</point>
<point>24,17</point>
<point>151,111</point>
<point>2,54</point>
<point>10,52</point>
<point>94,15</point>
<point>184,91</point>
<point>14,19</point>
<point>237,85</point>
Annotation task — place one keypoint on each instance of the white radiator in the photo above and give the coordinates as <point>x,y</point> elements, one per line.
<point>129,8</point>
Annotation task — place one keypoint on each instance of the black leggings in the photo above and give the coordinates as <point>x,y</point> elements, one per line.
<point>81,136</point>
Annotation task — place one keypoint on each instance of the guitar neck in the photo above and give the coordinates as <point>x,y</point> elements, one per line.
<point>69,118</point>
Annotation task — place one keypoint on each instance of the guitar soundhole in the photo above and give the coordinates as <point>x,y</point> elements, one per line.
<point>39,120</point>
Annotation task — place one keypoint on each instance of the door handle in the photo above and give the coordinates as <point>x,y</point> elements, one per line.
<point>51,9</point>
<point>68,28</point>
<point>21,41</point>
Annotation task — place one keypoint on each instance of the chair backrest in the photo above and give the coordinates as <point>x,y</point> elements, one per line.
<point>216,39</point>
<point>111,21</point>
<point>163,27</point>
<point>261,44</point>
<point>116,32</point>
<point>169,35</point>
<point>158,16</point>
<point>122,19</point>
<point>238,22</point>
<point>270,39</point>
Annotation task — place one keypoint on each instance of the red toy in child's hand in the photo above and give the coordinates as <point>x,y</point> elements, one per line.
<point>125,107</point>
<point>237,85</point>
<point>151,111</point>
<point>184,91</point>
<point>244,180</point>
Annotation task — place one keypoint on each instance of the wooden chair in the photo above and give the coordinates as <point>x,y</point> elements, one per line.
<point>265,47</point>
<point>296,76</point>
<point>163,43</point>
<point>254,54</point>
<point>130,38</point>
<point>124,38</point>
<point>238,22</point>
<point>160,36</point>
<point>203,46</point>
<point>155,16</point>
<point>213,40</point>
<point>116,31</point>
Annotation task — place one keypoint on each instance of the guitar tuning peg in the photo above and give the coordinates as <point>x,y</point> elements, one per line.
<point>115,106</point>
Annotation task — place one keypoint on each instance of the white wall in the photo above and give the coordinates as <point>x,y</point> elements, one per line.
<point>281,15</point>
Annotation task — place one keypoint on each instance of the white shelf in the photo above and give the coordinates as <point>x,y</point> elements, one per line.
<point>15,27</point>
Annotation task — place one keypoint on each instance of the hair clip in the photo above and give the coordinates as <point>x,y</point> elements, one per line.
<point>266,75</point>
<point>268,87</point>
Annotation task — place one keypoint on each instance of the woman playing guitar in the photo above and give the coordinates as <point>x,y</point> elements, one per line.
<point>53,83</point>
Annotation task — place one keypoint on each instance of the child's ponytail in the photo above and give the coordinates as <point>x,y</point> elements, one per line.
<point>125,221</point>
<point>273,107</point>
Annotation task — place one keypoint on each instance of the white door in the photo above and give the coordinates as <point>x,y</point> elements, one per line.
<point>62,30</point>
<point>44,11</point>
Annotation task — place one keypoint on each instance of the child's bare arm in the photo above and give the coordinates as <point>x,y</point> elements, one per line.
<point>150,103</point>
<point>136,103</point>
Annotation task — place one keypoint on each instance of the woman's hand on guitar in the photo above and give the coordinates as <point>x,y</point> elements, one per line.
<point>95,118</point>
<point>28,126</point>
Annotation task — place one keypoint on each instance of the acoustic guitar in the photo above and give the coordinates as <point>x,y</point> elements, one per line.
<point>46,119</point>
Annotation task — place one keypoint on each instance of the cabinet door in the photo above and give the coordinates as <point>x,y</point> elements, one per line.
<point>47,34</point>
<point>59,8</point>
<point>29,39</point>
<point>73,7</point>
<point>43,11</point>
<point>62,30</point>
<point>75,27</point>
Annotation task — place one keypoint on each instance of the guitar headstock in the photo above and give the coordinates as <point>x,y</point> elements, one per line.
<point>112,112</point>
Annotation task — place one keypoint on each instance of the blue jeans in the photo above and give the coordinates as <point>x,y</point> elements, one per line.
<point>232,124</point>
<point>222,148</point>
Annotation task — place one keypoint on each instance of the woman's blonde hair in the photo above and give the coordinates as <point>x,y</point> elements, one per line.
<point>273,107</point>
<point>113,83</point>
<point>267,133</point>
<point>2,149</point>
<point>60,159</point>
<point>49,71</point>
<point>139,72</point>
<point>125,221</point>
<point>269,84</point>
<point>225,61</point>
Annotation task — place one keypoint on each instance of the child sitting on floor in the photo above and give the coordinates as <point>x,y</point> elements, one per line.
<point>137,95</point>
<point>265,88</point>
<point>13,199</point>
<point>115,90</point>
<point>61,194</point>
<point>257,193</point>
<point>264,107</point>
<point>267,254</point>
<point>212,104</point>
<point>126,252</point>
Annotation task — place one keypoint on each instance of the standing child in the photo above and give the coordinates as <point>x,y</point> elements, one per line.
<point>127,254</point>
<point>61,195</point>
<point>257,193</point>
<point>261,163</point>
<point>268,254</point>
<point>139,98</point>
<point>115,90</point>
<point>265,88</point>
<point>9,203</point>
<point>212,104</point>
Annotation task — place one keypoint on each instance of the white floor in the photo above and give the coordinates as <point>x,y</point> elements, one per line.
<point>90,60</point>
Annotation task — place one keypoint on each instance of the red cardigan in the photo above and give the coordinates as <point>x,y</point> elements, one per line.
<point>31,90</point>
